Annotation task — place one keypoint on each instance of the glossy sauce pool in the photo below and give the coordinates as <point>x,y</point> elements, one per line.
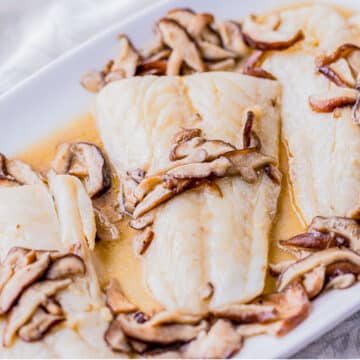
<point>116,258</point>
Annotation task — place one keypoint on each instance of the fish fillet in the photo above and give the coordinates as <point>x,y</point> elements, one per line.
<point>323,148</point>
<point>199,236</point>
<point>29,217</point>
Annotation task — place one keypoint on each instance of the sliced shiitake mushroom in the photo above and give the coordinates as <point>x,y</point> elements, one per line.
<point>86,161</point>
<point>39,325</point>
<point>174,64</point>
<point>207,291</point>
<point>326,104</point>
<point>167,317</point>
<point>250,330</point>
<point>247,313</point>
<point>143,240</point>
<point>128,57</point>
<point>278,268</point>
<point>267,35</point>
<point>178,39</point>
<point>314,280</point>
<point>323,257</point>
<point>324,62</point>
<point>16,172</point>
<point>253,67</point>
<point>115,338</point>
<point>66,266</point>
<point>222,65</point>
<point>142,222</point>
<point>21,280</point>
<point>341,282</point>
<point>222,341</point>
<point>28,303</point>
<point>116,300</point>
<point>93,80</point>
<point>347,230</point>
<point>212,52</point>
<point>356,111</point>
<point>231,38</point>
<point>164,335</point>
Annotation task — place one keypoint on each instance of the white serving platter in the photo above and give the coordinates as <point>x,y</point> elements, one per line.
<point>53,96</point>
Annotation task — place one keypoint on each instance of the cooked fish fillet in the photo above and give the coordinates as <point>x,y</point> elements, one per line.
<point>323,147</point>
<point>29,217</point>
<point>199,237</point>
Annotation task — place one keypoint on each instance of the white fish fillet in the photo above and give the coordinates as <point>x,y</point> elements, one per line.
<point>199,236</point>
<point>29,217</point>
<point>324,150</point>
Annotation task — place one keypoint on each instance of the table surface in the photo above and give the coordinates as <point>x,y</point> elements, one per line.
<point>34,32</point>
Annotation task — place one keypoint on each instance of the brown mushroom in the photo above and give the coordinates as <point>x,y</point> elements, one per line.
<point>252,66</point>
<point>163,335</point>
<point>155,67</point>
<point>21,280</point>
<point>323,257</point>
<point>116,301</point>
<point>324,62</point>
<point>93,80</point>
<point>143,241</point>
<point>247,313</point>
<point>128,57</point>
<point>267,35</point>
<point>341,282</point>
<point>174,64</point>
<point>86,161</point>
<point>105,229</point>
<point>222,341</point>
<point>207,291</point>
<point>167,317</point>
<point>346,230</point>
<point>278,268</point>
<point>28,303</point>
<point>177,38</point>
<point>212,52</point>
<point>231,38</point>
<point>66,266</point>
<point>115,338</point>
<point>341,268</point>
<point>38,326</point>
<point>185,135</point>
<point>52,306</point>
<point>325,104</point>
<point>142,222</point>
<point>222,65</point>
<point>314,280</point>
<point>250,330</point>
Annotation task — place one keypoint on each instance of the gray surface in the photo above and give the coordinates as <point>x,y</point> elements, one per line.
<point>34,32</point>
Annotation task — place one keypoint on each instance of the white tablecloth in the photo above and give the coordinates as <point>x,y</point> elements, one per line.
<point>34,32</point>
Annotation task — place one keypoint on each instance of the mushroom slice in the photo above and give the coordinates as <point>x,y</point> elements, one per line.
<point>66,266</point>
<point>217,167</point>
<point>115,338</point>
<point>105,229</point>
<point>207,291</point>
<point>163,54</point>
<point>200,149</point>
<point>314,280</point>
<point>252,66</point>
<point>87,162</point>
<point>143,241</point>
<point>155,67</point>
<point>356,111</point>
<point>174,64</point>
<point>325,104</point>
<point>171,317</point>
<point>277,269</point>
<point>222,341</point>
<point>128,57</point>
<point>323,65</point>
<point>53,307</point>
<point>93,81</point>
<point>222,65</point>
<point>39,325</point>
<point>116,301</point>
<point>323,257</point>
<point>30,300</point>
<point>249,330</point>
<point>250,138</point>
<point>22,279</point>
<point>23,173</point>
<point>345,228</point>
<point>164,335</point>
<point>177,38</point>
<point>341,282</point>
<point>214,52</point>
<point>313,241</point>
<point>247,313</point>
<point>264,36</point>
<point>185,135</point>
<point>246,163</point>
<point>341,268</point>
<point>231,38</point>
<point>142,222</point>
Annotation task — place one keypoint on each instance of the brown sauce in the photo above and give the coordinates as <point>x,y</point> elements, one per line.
<point>116,258</point>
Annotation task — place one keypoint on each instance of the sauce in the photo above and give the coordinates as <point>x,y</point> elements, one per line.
<point>116,258</point>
